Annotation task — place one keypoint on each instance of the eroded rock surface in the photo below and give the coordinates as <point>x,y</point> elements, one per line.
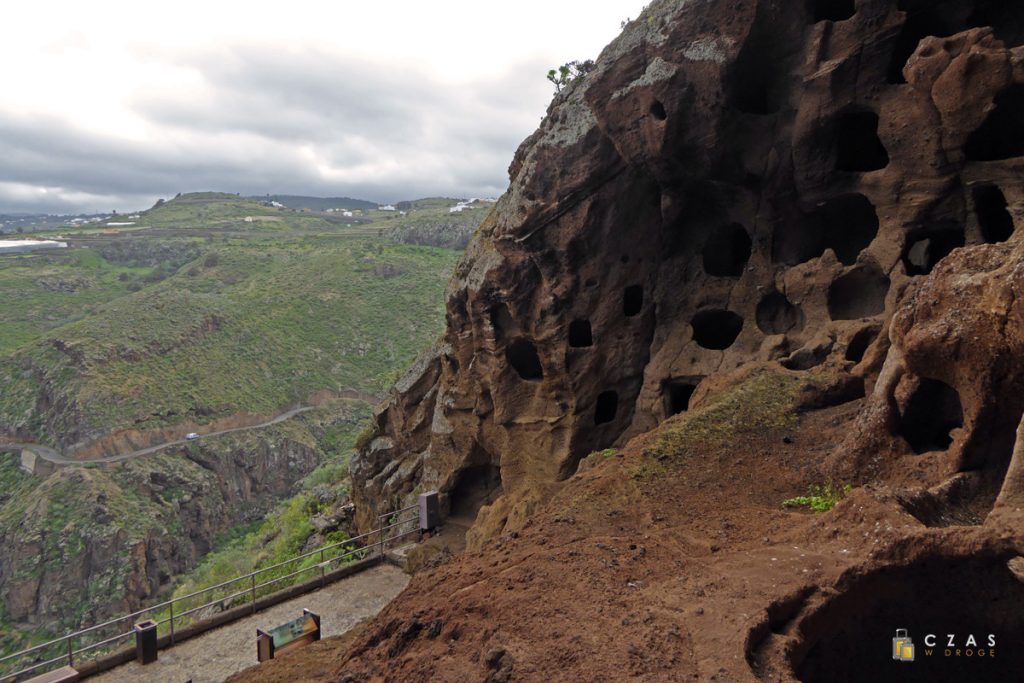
<point>735,182</point>
<point>761,245</point>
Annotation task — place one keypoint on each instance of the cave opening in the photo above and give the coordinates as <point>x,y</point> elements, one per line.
<point>931,413</point>
<point>677,395</point>
<point>858,147</point>
<point>846,224</point>
<point>993,216</point>
<point>945,18</point>
<point>580,334</point>
<point>759,80</point>
<point>474,487</point>
<point>501,321</point>
<point>935,595</point>
<point>727,251</point>
<point>632,300</point>
<point>658,110</point>
<point>607,407</point>
<point>858,293</point>
<point>776,314</point>
<point>1001,135</point>
<point>859,344</point>
<point>716,329</point>
<point>926,247</point>
<point>522,356</point>
<point>833,10</point>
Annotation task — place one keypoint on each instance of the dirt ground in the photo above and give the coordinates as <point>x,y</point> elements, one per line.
<point>632,565</point>
<point>673,559</point>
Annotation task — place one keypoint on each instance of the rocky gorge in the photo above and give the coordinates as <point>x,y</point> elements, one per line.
<point>96,541</point>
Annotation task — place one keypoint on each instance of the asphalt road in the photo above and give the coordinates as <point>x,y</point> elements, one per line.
<point>56,458</point>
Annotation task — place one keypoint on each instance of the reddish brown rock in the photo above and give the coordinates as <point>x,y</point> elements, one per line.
<point>735,182</point>
<point>820,193</point>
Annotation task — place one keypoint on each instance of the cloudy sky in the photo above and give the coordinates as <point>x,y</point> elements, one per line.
<point>111,105</point>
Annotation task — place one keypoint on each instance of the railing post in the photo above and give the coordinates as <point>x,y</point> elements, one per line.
<point>71,653</point>
<point>322,579</point>
<point>254,592</point>
<point>172,622</point>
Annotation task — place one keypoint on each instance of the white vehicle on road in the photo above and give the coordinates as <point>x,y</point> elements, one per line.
<point>191,436</point>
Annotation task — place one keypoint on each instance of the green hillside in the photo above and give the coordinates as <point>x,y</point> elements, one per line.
<point>192,314</point>
<point>249,326</point>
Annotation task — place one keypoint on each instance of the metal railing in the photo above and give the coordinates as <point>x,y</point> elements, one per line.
<point>256,584</point>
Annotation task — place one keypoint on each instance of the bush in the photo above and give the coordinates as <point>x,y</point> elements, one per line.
<point>820,497</point>
<point>569,72</point>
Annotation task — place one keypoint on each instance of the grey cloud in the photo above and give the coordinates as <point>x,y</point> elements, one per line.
<point>248,131</point>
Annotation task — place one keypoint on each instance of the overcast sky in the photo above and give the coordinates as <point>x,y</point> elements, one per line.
<point>111,105</point>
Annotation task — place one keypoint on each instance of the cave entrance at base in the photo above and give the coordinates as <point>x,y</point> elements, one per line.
<point>931,413</point>
<point>850,638</point>
<point>474,487</point>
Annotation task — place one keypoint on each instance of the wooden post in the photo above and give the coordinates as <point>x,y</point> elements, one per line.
<point>172,622</point>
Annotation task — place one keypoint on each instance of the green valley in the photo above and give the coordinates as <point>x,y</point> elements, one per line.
<point>207,311</point>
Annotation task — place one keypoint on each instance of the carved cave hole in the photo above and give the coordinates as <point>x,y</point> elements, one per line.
<point>501,321</point>
<point>632,300</point>
<point>833,10</point>
<point>475,487</point>
<point>930,18</point>
<point>858,147</point>
<point>716,329</point>
<point>859,293</point>
<point>580,334</point>
<point>936,594</point>
<point>658,111</point>
<point>846,224</point>
<point>677,395</point>
<point>925,248</point>
<point>1001,136</point>
<point>522,356</point>
<point>760,78</point>
<point>606,408</point>
<point>777,315</point>
<point>727,251</point>
<point>931,413</point>
<point>993,216</point>
<point>858,346</point>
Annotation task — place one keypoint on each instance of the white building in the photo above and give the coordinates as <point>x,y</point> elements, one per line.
<point>25,246</point>
<point>386,208</point>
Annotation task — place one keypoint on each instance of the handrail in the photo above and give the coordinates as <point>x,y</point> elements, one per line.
<point>370,545</point>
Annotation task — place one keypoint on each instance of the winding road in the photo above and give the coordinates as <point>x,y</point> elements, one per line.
<point>50,455</point>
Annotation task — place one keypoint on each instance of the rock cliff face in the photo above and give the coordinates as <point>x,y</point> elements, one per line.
<point>762,245</point>
<point>92,543</point>
<point>735,182</point>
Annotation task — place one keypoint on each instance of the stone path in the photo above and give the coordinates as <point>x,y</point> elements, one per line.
<point>215,655</point>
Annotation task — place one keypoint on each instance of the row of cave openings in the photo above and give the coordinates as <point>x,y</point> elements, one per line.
<point>845,224</point>
<point>760,85</point>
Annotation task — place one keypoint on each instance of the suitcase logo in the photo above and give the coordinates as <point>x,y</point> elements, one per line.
<point>902,646</point>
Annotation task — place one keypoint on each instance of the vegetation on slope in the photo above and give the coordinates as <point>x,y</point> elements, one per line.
<point>255,325</point>
<point>192,314</point>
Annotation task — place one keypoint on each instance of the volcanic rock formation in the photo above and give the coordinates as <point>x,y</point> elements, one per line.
<point>735,182</point>
<point>825,191</point>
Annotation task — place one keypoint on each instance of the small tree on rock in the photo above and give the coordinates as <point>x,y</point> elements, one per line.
<point>569,72</point>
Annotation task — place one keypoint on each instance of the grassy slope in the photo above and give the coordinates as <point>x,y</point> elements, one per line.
<point>261,325</point>
<point>266,314</point>
<point>41,293</point>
